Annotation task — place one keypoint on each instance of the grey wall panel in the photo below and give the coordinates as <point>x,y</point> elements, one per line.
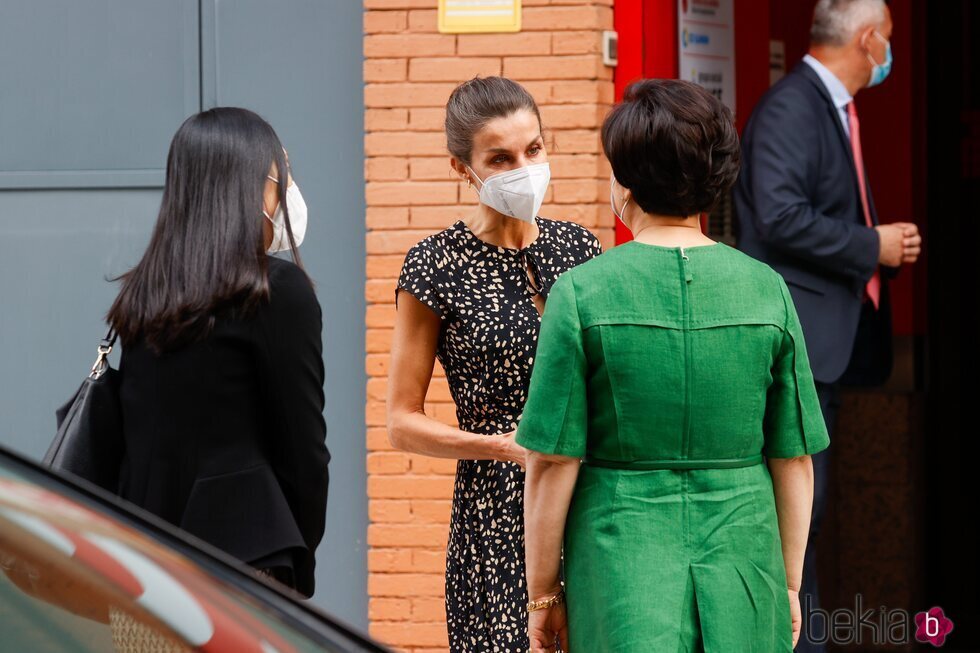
<point>93,91</point>
<point>56,250</point>
<point>91,94</point>
<point>298,64</point>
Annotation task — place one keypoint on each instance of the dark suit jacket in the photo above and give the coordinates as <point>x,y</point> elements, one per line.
<point>225,437</point>
<point>798,206</point>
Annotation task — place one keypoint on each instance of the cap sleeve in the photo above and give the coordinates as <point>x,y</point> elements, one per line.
<point>794,424</point>
<point>555,416</point>
<point>421,277</point>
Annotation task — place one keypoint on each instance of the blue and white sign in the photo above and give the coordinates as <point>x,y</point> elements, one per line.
<point>707,46</point>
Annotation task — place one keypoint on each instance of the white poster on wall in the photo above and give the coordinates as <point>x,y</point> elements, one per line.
<point>707,46</point>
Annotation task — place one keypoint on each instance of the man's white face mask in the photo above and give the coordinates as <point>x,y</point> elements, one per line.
<point>517,193</point>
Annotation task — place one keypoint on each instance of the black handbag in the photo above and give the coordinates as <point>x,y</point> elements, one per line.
<point>89,443</point>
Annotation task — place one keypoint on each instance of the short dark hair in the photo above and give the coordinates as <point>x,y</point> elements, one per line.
<point>673,145</point>
<point>474,103</point>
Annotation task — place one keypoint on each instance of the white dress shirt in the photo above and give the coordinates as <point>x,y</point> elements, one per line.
<point>838,92</point>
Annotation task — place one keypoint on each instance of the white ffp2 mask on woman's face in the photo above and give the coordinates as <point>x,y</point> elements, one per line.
<point>297,220</point>
<point>518,193</point>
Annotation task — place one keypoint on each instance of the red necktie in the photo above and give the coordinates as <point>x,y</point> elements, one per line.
<point>873,288</point>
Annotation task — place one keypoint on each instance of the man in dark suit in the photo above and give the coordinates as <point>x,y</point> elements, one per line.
<point>804,207</point>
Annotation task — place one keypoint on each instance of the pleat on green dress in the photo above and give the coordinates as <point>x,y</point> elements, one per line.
<point>672,372</point>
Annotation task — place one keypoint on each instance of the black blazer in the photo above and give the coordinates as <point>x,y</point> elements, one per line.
<point>798,206</point>
<point>225,437</point>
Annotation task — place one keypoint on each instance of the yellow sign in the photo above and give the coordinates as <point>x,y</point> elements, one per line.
<point>470,16</point>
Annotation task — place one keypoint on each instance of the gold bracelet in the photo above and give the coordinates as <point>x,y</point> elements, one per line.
<point>543,604</point>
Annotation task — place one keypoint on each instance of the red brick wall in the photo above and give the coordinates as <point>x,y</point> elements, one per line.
<point>409,71</point>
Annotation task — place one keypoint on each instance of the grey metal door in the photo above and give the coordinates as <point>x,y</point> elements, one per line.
<point>90,94</point>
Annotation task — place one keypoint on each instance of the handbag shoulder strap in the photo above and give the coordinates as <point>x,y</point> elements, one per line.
<point>109,340</point>
<point>105,348</point>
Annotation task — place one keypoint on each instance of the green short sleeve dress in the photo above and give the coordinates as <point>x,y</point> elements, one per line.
<point>672,372</point>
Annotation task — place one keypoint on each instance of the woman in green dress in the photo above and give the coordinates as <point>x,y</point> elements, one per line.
<point>671,414</point>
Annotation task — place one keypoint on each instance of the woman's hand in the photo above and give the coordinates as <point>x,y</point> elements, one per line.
<point>512,452</point>
<point>548,490</point>
<point>795,614</point>
<point>545,626</point>
<point>792,485</point>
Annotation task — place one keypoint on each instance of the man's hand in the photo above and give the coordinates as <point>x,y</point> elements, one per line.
<point>911,243</point>
<point>900,243</point>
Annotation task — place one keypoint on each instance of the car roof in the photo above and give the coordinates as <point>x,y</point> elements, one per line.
<point>59,534</point>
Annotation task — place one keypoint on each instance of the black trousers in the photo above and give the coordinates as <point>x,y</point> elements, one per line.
<point>829,395</point>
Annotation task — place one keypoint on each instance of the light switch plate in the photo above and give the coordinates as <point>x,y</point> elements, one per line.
<point>610,48</point>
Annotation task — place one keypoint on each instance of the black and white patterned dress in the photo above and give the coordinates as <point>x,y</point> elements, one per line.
<point>486,345</point>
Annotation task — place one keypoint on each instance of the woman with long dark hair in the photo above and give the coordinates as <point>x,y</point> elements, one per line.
<point>222,369</point>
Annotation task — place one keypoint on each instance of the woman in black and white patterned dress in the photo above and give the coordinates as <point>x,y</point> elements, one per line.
<point>473,297</point>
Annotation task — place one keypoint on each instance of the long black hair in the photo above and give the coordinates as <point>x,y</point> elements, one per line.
<point>207,253</point>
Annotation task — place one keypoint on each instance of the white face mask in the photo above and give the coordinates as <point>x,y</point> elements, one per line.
<point>518,193</point>
<point>297,220</point>
<point>612,202</point>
